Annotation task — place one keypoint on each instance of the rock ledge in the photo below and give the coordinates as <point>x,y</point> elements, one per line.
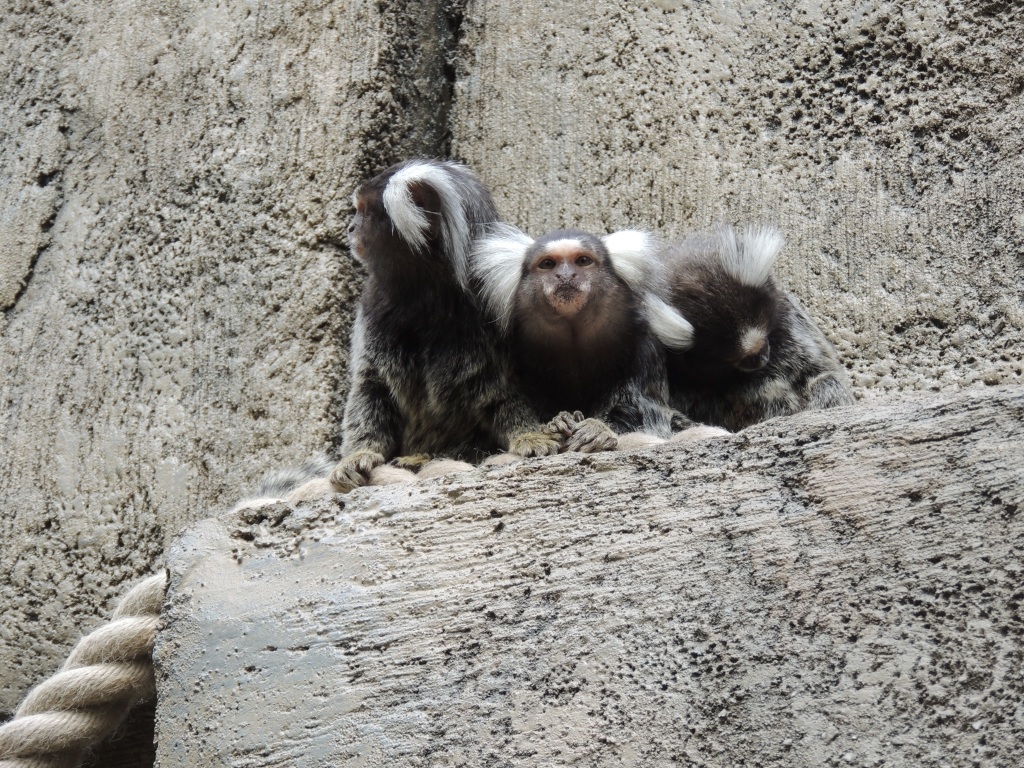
<point>839,587</point>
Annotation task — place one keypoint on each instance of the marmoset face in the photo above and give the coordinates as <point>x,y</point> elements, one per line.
<point>564,268</point>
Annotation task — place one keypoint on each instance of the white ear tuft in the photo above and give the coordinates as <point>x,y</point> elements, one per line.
<point>750,256</point>
<point>498,267</point>
<point>632,257</point>
<point>672,329</point>
<point>411,221</point>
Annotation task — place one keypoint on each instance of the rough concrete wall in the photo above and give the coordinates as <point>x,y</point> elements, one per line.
<point>174,288</point>
<point>884,137</point>
<point>835,588</point>
<point>174,178</point>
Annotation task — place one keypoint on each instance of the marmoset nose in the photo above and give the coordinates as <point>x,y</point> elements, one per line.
<point>565,270</point>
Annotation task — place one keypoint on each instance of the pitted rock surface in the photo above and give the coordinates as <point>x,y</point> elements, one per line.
<point>832,588</point>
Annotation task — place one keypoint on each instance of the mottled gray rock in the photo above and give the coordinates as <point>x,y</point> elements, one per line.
<point>839,587</point>
<point>175,292</point>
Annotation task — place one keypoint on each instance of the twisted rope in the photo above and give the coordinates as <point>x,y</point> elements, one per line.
<point>107,673</point>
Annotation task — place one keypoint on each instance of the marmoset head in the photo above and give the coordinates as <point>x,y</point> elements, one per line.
<point>420,213</point>
<point>722,283</point>
<point>573,277</point>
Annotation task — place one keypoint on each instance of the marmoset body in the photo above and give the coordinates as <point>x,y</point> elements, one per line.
<point>428,374</point>
<point>756,353</point>
<point>583,329</point>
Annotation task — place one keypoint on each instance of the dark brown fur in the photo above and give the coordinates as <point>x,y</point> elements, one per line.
<point>602,359</point>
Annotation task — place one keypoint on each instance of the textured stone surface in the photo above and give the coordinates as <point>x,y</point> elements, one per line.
<point>884,137</point>
<point>838,587</point>
<point>174,293</point>
<point>174,180</point>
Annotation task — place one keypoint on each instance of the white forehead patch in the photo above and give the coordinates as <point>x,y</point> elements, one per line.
<point>564,244</point>
<point>752,340</point>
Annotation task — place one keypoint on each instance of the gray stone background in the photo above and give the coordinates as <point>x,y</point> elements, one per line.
<point>175,290</point>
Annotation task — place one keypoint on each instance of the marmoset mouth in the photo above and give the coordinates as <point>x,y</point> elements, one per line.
<point>567,299</point>
<point>355,247</point>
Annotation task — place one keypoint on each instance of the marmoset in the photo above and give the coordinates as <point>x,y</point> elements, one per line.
<point>756,353</point>
<point>429,375</point>
<point>583,327</point>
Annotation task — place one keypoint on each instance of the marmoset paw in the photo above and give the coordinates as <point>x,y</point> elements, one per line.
<point>565,422</point>
<point>592,436</point>
<point>681,422</point>
<point>413,462</point>
<point>354,470</point>
<point>535,444</point>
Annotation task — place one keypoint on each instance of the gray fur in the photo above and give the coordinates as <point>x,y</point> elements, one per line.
<point>280,481</point>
